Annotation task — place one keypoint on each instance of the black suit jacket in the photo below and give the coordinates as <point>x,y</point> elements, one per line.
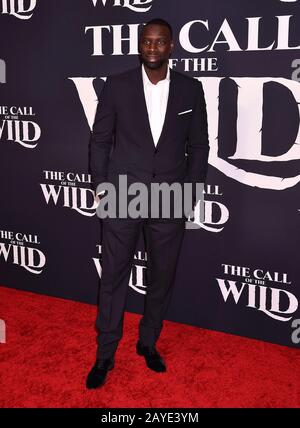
<point>121,139</point>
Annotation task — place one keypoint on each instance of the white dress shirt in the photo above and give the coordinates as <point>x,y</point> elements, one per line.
<point>156,101</point>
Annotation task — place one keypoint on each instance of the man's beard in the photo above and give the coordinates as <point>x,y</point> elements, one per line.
<point>153,65</point>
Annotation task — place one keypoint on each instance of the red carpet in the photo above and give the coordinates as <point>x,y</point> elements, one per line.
<point>50,347</point>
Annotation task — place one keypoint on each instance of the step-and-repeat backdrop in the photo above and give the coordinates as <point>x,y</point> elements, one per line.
<point>239,267</point>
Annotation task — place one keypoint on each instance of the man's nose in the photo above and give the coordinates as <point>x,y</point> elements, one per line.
<point>152,47</point>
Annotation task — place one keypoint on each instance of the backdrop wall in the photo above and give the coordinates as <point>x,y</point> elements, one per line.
<point>239,270</point>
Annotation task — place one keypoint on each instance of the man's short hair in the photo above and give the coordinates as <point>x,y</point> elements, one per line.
<point>160,21</point>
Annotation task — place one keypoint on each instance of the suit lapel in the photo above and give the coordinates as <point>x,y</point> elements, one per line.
<point>142,106</point>
<point>171,105</point>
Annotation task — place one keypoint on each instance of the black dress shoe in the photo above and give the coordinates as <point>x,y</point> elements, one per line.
<point>153,360</point>
<point>97,375</point>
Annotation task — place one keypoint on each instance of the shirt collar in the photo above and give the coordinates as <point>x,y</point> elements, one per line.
<point>147,81</point>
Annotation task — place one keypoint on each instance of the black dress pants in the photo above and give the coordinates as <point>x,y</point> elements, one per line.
<point>119,240</point>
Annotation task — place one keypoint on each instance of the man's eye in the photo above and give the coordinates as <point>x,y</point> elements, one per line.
<point>161,42</point>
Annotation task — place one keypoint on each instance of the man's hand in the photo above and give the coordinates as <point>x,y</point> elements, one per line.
<point>100,194</point>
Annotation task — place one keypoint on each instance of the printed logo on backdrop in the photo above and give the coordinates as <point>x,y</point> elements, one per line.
<point>67,189</point>
<point>22,9</point>
<point>19,249</point>
<point>137,279</point>
<point>249,127</point>
<point>123,40</point>
<point>135,5</point>
<point>16,128</point>
<point>210,214</point>
<point>259,289</point>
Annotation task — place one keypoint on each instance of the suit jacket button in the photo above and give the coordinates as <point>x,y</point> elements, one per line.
<point>155,150</point>
<point>153,175</point>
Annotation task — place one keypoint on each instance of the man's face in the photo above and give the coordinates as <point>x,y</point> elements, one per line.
<point>155,46</point>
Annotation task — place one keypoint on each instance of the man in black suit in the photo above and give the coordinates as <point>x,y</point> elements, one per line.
<point>150,125</point>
